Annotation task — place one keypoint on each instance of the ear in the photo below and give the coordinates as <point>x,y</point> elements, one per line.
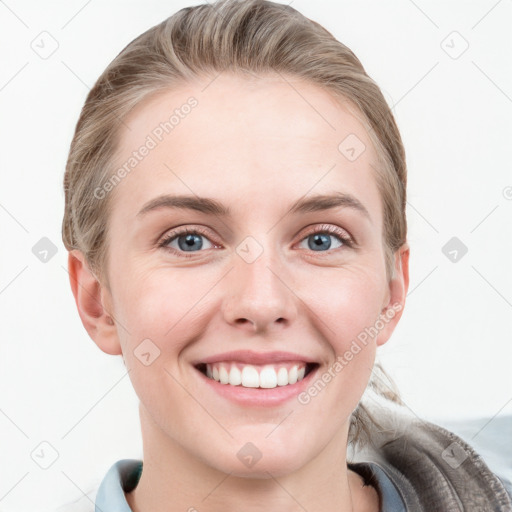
<point>398,286</point>
<point>93,303</point>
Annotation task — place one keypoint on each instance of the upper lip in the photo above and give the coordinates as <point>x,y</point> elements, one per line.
<point>251,357</point>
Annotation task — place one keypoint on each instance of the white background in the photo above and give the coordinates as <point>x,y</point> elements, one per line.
<point>451,355</point>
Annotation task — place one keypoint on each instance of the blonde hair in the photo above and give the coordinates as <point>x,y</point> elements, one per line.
<point>249,36</point>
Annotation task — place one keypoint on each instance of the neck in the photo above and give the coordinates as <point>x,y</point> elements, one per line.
<point>174,480</point>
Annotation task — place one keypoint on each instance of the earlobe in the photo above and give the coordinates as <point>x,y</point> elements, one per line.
<point>89,300</point>
<point>398,286</point>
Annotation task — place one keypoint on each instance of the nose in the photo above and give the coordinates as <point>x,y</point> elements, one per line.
<point>258,296</point>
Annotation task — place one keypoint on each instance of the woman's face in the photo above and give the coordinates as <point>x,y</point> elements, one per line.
<point>257,274</point>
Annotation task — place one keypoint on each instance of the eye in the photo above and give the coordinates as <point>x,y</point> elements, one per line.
<point>186,240</point>
<point>319,240</point>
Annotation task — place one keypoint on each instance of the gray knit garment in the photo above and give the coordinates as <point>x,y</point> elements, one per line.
<point>435,470</point>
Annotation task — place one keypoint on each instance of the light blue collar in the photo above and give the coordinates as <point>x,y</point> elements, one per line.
<point>124,476</point>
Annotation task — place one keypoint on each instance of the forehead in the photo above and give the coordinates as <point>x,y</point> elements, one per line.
<point>237,138</point>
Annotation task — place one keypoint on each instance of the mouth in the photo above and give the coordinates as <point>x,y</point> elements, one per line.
<point>257,376</point>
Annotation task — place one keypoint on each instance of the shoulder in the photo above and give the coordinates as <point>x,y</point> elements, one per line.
<point>108,494</point>
<point>491,438</point>
<point>441,464</point>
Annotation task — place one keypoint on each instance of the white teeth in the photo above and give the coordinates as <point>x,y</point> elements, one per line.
<point>223,375</point>
<point>250,378</point>
<point>235,376</point>
<point>292,375</point>
<point>268,376</point>
<point>282,377</point>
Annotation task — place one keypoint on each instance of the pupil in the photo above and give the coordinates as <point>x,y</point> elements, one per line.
<point>190,239</point>
<point>319,239</point>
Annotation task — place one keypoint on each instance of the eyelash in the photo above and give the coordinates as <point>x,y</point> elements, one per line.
<point>331,230</point>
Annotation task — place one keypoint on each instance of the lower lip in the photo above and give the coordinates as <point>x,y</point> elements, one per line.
<point>259,397</point>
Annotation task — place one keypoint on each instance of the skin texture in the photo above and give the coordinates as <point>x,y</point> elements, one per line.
<point>257,145</point>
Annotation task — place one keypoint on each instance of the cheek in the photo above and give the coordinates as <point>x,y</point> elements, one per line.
<point>348,301</point>
<point>155,311</point>
<point>160,312</point>
<point>158,303</point>
<point>347,315</point>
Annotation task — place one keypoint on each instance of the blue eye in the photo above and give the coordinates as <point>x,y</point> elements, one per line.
<point>187,240</point>
<point>190,241</point>
<point>320,239</point>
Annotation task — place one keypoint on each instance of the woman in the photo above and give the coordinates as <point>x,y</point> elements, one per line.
<point>235,216</point>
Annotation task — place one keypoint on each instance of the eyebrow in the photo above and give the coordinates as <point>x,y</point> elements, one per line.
<point>319,202</point>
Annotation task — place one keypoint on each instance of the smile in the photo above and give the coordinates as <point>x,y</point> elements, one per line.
<point>257,376</point>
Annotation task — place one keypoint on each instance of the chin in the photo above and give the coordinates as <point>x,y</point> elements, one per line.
<point>262,459</point>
